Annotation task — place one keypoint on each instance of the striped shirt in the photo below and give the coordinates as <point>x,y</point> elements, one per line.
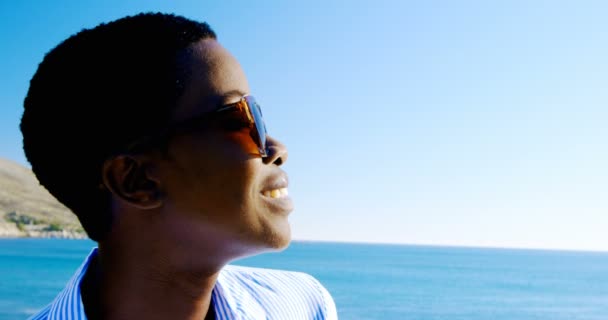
<point>239,293</point>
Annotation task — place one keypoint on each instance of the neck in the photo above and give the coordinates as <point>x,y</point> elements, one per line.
<point>118,285</point>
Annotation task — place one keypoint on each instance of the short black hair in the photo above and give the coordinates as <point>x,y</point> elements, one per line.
<point>95,92</point>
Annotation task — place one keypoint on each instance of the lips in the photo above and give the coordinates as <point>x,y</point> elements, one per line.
<point>276,195</point>
<point>276,186</point>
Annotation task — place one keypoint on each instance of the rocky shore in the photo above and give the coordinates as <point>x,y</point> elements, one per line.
<point>12,230</point>
<point>27,210</point>
<point>63,234</point>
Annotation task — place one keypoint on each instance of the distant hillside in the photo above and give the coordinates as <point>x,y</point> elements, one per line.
<point>28,210</point>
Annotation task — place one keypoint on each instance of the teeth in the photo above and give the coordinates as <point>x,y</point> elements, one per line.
<point>276,193</point>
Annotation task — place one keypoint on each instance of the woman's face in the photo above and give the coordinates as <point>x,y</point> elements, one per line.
<point>219,194</point>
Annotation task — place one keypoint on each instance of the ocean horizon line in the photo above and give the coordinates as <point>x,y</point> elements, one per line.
<point>455,246</point>
<point>389,243</point>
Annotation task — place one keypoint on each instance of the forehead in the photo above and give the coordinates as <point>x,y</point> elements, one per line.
<point>213,77</point>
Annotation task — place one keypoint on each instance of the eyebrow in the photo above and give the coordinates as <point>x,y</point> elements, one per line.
<point>218,101</point>
<point>232,93</point>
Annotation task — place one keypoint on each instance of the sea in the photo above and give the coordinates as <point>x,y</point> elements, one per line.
<point>369,281</point>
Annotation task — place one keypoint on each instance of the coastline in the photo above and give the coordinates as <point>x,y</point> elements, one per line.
<point>11,231</point>
<point>45,235</point>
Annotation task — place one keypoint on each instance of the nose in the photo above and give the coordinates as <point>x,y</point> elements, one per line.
<point>277,152</point>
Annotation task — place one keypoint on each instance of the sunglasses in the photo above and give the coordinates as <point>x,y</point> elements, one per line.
<point>243,114</point>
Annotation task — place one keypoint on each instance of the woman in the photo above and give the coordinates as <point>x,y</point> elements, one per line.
<point>176,176</point>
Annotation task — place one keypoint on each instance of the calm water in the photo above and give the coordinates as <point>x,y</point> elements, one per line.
<point>370,281</point>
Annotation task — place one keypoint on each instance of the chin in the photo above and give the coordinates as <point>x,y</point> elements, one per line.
<point>283,243</point>
<point>277,239</point>
<point>269,242</point>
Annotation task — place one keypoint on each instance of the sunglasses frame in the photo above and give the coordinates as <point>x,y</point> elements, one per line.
<point>247,105</point>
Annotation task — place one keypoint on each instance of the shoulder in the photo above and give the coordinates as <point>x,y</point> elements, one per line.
<point>68,303</point>
<point>42,314</point>
<point>285,292</point>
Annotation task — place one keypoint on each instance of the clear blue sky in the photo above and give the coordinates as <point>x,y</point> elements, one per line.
<point>434,122</point>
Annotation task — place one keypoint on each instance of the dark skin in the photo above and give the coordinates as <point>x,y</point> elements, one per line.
<point>180,216</point>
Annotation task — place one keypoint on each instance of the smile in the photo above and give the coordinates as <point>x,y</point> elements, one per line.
<point>276,193</point>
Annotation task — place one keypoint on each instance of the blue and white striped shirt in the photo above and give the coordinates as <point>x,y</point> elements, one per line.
<point>239,293</point>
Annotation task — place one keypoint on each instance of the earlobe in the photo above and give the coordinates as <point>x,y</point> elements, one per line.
<point>128,179</point>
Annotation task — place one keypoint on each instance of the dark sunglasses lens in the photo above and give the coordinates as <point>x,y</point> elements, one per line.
<point>259,132</point>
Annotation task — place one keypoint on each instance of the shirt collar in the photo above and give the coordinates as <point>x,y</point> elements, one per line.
<point>68,303</point>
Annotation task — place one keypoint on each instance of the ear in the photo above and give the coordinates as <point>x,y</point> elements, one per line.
<point>129,178</point>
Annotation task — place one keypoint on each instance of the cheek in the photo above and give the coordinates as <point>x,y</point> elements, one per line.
<point>232,166</point>
<point>245,142</point>
<point>217,172</point>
